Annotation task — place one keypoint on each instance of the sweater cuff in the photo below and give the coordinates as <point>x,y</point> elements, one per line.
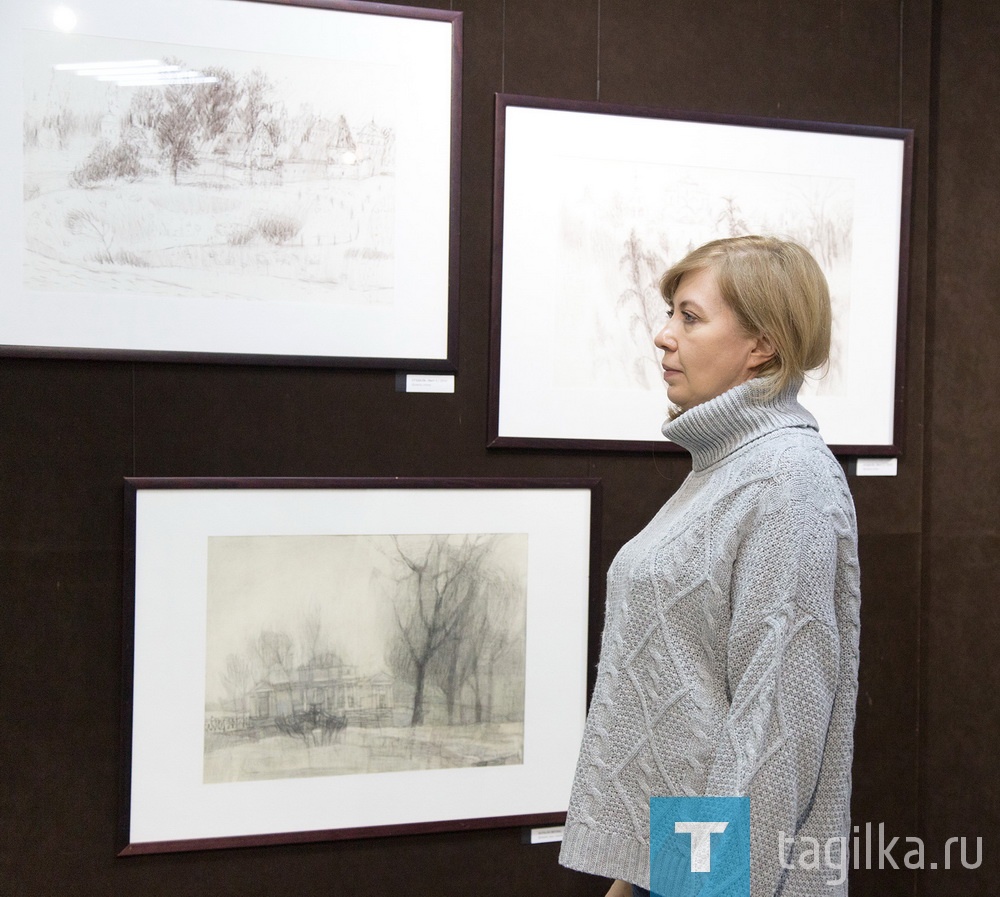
<point>611,854</point>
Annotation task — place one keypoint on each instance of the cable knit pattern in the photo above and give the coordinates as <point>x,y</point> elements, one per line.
<point>729,658</point>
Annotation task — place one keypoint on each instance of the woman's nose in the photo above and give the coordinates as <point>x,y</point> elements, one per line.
<point>664,339</point>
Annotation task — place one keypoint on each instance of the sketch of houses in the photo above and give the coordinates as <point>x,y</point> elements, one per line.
<point>336,690</point>
<point>260,155</point>
<point>375,148</point>
<point>210,189</point>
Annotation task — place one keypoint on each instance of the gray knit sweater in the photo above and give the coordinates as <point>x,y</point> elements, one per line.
<point>729,658</point>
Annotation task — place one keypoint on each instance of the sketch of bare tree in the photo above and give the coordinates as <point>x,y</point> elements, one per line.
<point>272,650</point>
<point>254,106</point>
<point>237,681</point>
<point>310,626</point>
<point>493,645</point>
<point>449,670</point>
<point>176,129</point>
<point>439,592</point>
<point>642,301</point>
<point>731,221</point>
<point>214,103</point>
<point>65,123</point>
<point>826,228</point>
<point>477,648</point>
<point>144,108</point>
<point>84,223</point>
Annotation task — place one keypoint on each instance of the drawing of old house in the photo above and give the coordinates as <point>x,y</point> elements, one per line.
<point>343,141</point>
<point>332,148</point>
<point>261,164</point>
<point>334,689</point>
<point>375,146</point>
<point>317,151</point>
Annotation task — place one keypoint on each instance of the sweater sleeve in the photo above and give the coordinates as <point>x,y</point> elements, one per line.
<point>781,668</point>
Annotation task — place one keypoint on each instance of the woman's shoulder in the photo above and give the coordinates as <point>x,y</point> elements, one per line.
<point>796,462</point>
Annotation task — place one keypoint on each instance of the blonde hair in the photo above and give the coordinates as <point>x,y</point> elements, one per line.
<point>777,290</point>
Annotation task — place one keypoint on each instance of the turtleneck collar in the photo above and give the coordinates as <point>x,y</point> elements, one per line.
<point>718,427</point>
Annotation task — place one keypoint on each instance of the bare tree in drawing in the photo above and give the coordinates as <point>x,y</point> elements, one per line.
<point>214,103</point>
<point>642,301</point>
<point>144,108</point>
<point>310,626</point>
<point>435,588</point>
<point>485,635</point>
<point>238,681</point>
<point>731,218</point>
<point>492,641</point>
<point>176,130</point>
<point>449,670</point>
<point>83,223</point>
<point>272,650</point>
<point>254,107</point>
<point>826,232</point>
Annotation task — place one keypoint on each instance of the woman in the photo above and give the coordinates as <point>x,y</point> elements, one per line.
<point>730,651</point>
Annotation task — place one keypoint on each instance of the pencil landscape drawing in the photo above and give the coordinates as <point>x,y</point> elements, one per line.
<point>340,655</point>
<point>623,224</point>
<point>248,175</point>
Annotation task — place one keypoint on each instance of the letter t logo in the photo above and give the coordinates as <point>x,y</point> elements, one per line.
<point>701,841</point>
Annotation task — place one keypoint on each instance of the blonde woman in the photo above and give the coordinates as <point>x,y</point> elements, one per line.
<point>730,651</point>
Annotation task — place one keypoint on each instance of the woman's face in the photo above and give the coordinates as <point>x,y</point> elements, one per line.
<point>705,350</point>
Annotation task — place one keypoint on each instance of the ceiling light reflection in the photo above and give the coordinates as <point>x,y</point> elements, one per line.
<point>64,18</point>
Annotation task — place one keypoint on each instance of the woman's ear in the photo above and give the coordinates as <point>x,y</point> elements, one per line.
<point>762,352</point>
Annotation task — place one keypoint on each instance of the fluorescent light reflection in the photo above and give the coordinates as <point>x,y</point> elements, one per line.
<point>136,73</point>
<point>164,80</point>
<point>113,74</point>
<point>84,67</point>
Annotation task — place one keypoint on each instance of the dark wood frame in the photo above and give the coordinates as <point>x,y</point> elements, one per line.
<point>133,485</point>
<point>503,101</point>
<point>449,362</point>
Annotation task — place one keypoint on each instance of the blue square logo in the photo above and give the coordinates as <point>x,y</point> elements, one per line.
<point>699,846</point>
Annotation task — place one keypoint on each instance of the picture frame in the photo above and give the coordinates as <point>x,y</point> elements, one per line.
<point>594,201</point>
<point>283,191</point>
<point>274,634</point>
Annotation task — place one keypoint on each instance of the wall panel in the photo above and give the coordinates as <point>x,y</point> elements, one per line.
<point>960,791</point>
<point>818,60</point>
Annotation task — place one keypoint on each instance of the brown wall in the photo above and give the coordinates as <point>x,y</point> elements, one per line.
<point>960,677</point>
<point>926,723</point>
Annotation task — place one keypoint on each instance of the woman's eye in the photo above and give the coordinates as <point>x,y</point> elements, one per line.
<point>688,317</point>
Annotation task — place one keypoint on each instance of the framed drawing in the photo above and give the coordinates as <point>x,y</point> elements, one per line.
<point>594,202</point>
<point>321,659</point>
<point>223,181</point>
